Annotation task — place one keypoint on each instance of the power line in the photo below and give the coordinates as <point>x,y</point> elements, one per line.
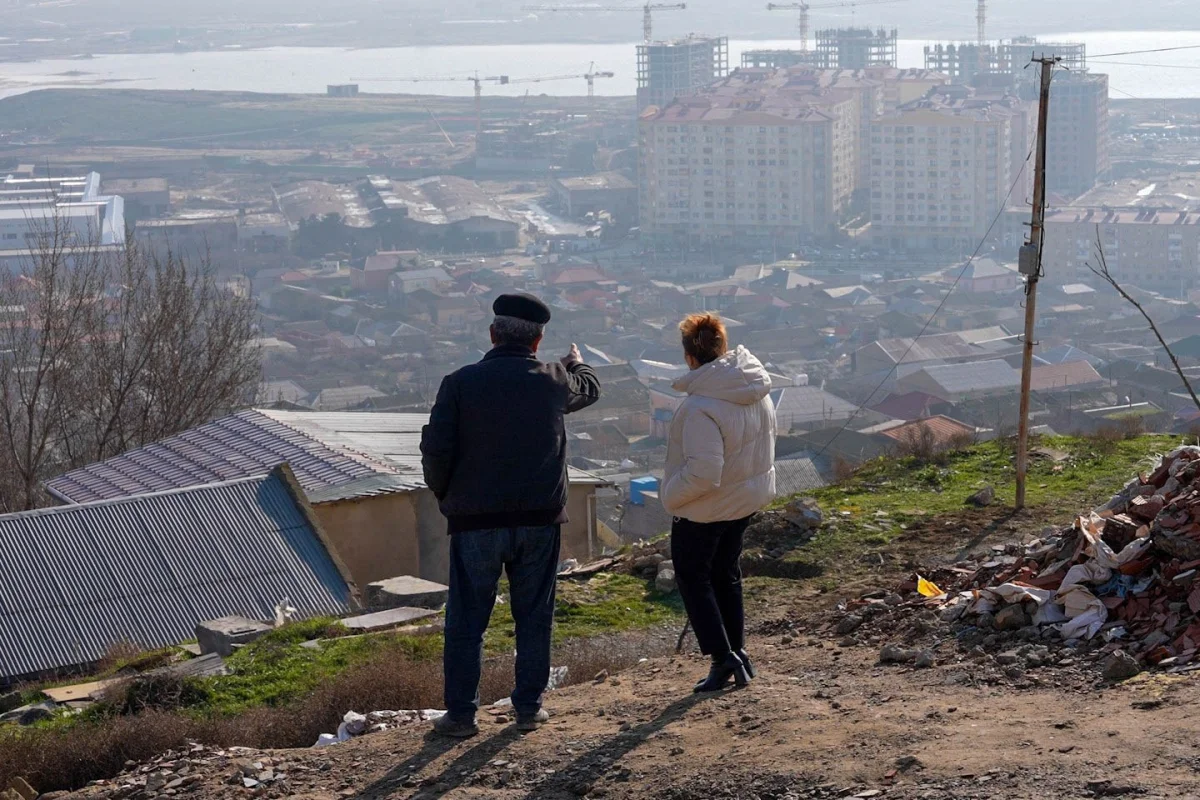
<point>936,311</point>
<point>1156,66</point>
<point>1144,52</point>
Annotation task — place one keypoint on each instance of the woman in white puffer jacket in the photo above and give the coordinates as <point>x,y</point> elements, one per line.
<point>720,471</point>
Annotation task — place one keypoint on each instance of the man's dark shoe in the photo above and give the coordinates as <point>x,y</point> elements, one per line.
<point>723,668</point>
<point>455,727</point>
<point>747,664</point>
<point>531,722</point>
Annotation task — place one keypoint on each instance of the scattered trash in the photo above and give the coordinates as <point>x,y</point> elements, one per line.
<point>355,724</point>
<point>928,588</point>
<point>558,677</point>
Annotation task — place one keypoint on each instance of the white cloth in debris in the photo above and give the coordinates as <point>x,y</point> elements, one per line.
<point>1085,612</point>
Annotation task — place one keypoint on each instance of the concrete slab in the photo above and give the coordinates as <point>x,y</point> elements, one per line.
<point>220,635</point>
<point>79,691</point>
<point>391,618</point>
<point>406,591</point>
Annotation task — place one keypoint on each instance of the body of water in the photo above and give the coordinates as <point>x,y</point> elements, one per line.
<point>308,70</point>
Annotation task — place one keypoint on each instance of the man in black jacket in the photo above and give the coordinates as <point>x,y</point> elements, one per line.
<point>495,455</point>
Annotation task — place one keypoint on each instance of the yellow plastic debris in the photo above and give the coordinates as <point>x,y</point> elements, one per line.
<point>928,588</point>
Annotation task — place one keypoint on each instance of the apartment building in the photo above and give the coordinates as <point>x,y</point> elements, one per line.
<point>1153,249</point>
<point>770,154</point>
<point>942,166</point>
<point>901,86</point>
<point>1077,141</point>
<point>671,69</point>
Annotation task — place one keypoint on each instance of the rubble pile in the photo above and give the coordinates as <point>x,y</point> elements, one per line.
<point>778,531</point>
<point>188,769</point>
<point>1121,583</point>
<point>355,724</point>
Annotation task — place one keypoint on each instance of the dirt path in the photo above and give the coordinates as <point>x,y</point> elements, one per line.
<point>820,721</point>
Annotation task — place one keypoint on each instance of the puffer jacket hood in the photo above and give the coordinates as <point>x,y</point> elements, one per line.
<point>737,377</point>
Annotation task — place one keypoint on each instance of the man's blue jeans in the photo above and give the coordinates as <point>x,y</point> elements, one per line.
<point>529,556</point>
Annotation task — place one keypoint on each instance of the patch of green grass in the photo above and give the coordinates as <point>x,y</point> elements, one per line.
<point>888,496</point>
<point>275,669</point>
<point>604,604</point>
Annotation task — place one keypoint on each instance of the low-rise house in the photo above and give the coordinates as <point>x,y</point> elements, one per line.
<point>431,280</point>
<point>937,433</point>
<point>908,406</point>
<point>340,398</point>
<point>373,277</point>
<point>1073,375</point>
<point>146,567</point>
<point>954,382</point>
<point>361,471</point>
<point>450,311</point>
<point>978,344</point>
<point>984,275</point>
<point>270,392</point>
<point>810,407</point>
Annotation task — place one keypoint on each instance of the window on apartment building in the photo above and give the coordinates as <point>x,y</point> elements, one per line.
<point>10,236</point>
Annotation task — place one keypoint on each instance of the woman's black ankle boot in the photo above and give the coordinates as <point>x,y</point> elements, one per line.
<point>747,663</point>
<point>723,668</point>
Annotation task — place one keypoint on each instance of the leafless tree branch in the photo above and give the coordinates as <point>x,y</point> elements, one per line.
<point>1103,272</point>
<point>106,349</point>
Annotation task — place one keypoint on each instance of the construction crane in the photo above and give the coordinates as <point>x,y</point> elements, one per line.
<point>647,12</point>
<point>804,8</point>
<point>590,76</point>
<point>502,80</point>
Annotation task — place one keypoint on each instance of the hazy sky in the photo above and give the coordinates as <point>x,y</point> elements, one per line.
<point>401,22</point>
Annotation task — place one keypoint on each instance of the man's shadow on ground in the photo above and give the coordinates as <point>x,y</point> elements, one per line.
<point>591,765</point>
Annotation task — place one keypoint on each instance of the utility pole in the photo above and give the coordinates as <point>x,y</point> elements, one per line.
<point>1031,267</point>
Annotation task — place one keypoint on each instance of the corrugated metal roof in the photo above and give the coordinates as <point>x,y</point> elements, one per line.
<point>977,376</point>
<point>393,437</point>
<point>75,580</point>
<point>797,473</point>
<point>805,404</point>
<point>333,454</point>
<point>247,443</point>
<point>373,486</point>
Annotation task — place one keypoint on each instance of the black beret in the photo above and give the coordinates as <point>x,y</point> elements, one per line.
<point>522,306</point>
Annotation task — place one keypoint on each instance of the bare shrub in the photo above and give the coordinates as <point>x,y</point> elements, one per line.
<point>160,691</point>
<point>67,757</point>
<point>921,443</point>
<point>106,350</point>
<point>118,654</point>
<point>1131,426</point>
<point>843,469</point>
<point>1104,439</point>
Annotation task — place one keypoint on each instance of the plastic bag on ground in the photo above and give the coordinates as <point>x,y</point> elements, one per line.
<point>1086,613</point>
<point>928,588</point>
<point>558,677</point>
<point>1017,592</point>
